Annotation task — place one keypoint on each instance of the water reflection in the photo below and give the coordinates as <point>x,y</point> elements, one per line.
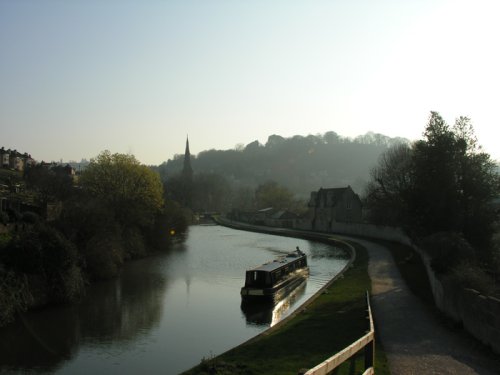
<point>117,311</point>
<point>270,313</point>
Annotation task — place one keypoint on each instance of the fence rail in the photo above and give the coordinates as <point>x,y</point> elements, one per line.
<point>367,342</point>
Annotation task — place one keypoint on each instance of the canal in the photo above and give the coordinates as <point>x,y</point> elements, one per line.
<point>164,313</point>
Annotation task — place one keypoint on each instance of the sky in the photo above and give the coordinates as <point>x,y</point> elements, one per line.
<point>80,77</point>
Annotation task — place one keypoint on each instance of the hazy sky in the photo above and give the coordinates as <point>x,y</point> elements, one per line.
<point>79,77</point>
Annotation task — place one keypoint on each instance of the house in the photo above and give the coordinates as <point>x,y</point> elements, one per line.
<point>4,157</point>
<point>69,170</point>
<point>15,160</point>
<point>329,206</point>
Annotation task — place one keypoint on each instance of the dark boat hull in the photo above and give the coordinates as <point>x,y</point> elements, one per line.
<point>270,312</point>
<point>277,292</point>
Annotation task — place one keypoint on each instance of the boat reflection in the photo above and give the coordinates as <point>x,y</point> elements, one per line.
<point>270,313</point>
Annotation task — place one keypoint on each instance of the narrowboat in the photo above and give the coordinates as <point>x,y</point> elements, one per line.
<point>274,280</point>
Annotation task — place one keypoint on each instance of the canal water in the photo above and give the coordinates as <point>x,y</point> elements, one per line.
<point>164,313</point>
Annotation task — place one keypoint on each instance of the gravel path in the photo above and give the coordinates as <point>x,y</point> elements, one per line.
<point>414,340</point>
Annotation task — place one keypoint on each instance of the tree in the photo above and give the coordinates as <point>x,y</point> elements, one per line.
<point>453,182</point>
<point>210,192</point>
<point>132,191</point>
<point>270,194</point>
<point>443,183</point>
<point>49,183</point>
<point>388,191</point>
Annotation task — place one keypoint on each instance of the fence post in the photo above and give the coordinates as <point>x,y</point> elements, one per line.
<point>369,354</point>
<point>370,348</point>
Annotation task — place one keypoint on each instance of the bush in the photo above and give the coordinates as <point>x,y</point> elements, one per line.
<point>71,287</point>
<point>133,243</point>
<point>103,256</point>
<point>44,251</point>
<point>14,295</point>
<point>30,217</point>
<point>169,225</point>
<point>5,239</point>
<point>4,217</point>
<point>14,215</point>
<point>447,249</point>
<point>83,217</point>
<point>469,275</point>
<point>23,253</point>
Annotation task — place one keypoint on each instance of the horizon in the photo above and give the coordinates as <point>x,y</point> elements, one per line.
<point>83,77</point>
<point>351,139</point>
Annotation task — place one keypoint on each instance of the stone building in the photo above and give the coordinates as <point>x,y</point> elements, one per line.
<point>330,206</point>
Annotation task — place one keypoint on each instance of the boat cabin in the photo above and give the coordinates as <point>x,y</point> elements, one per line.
<point>271,273</point>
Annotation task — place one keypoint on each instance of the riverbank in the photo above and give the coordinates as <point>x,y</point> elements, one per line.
<point>329,323</point>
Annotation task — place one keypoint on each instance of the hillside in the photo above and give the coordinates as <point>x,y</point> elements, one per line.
<point>301,163</point>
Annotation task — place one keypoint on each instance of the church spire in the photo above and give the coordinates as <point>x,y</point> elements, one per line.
<point>187,171</point>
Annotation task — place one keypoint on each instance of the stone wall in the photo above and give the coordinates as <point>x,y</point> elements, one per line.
<point>363,230</point>
<point>480,315</point>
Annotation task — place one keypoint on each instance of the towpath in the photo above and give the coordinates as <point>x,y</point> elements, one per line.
<point>414,340</point>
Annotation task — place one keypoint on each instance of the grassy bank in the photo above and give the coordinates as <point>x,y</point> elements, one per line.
<point>330,323</point>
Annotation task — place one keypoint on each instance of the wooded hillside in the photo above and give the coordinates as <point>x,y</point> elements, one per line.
<point>301,163</point>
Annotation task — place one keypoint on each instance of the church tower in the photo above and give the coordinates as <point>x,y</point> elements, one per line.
<point>187,170</point>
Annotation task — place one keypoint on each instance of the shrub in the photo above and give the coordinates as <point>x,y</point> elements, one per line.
<point>103,256</point>
<point>14,295</point>
<point>470,275</point>
<point>14,215</point>
<point>169,225</point>
<point>5,239</point>
<point>447,250</point>
<point>71,286</point>
<point>44,251</point>
<point>133,243</point>
<point>23,253</point>
<point>4,217</point>
<point>30,217</point>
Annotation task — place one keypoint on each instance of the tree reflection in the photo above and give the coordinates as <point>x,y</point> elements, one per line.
<point>120,310</point>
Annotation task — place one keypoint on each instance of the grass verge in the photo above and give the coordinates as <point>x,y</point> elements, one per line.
<point>334,320</point>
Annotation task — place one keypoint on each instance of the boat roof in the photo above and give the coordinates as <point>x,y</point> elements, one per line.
<point>278,262</point>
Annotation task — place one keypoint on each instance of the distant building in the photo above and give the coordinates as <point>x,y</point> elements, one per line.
<point>268,216</point>
<point>4,157</point>
<point>330,206</point>
<point>14,159</point>
<point>283,219</point>
<point>69,170</point>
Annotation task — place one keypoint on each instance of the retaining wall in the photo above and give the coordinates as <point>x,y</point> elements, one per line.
<point>364,230</point>
<point>480,315</point>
